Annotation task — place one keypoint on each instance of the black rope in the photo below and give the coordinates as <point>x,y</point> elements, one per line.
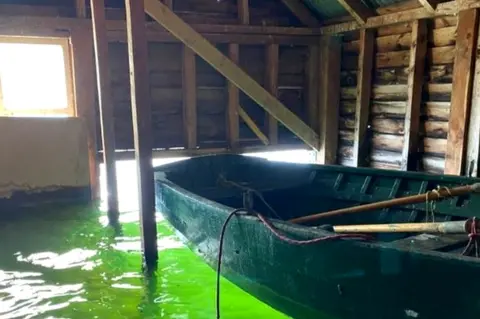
<point>238,211</point>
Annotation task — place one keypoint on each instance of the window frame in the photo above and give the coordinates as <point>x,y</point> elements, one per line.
<point>64,42</point>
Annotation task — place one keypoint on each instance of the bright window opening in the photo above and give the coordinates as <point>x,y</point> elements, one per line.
<point>35,78</point>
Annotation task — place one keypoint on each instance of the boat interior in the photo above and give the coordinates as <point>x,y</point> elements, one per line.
<point>285,191</point>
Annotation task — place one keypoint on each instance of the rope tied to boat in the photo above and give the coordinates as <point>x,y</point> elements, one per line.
<point>248,210</point>
<point>430,202</point>
<point>474,237</point>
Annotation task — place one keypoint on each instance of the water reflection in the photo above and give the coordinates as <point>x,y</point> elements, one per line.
<point>26,295</point>
<point>75,266</point>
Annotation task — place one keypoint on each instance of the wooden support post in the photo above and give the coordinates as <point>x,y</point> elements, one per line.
<point>233,130</point>
<point>81,8</point>
<point>364,90</point>
<point>271,84</point>
<point>329,66</point>
<point>230,70</point>
<point>233,133</point>
<point>106,105</point>
<point>81,42</point>
<point>142,126</point>
<point>312,80</point>
<point>418,52</point>
<point>467,31</point>
<point>243,11</point>
<point>189,98</point>
<point>473,149</point>
<point>357,10</point>
<point>300,10</point>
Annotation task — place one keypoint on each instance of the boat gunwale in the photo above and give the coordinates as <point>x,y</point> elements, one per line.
<point>309,232</point>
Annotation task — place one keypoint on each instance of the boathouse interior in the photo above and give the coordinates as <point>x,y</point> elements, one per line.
<point>385,84</point>
<point>87,86</point>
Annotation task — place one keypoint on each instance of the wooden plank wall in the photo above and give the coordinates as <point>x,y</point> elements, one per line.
<point>389,95</point>
<point>165,62</point>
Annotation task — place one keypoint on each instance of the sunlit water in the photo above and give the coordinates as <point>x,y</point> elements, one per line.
<point>65,262</point>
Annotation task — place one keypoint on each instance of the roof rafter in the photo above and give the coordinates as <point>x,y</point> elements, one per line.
<point>449,8</point>
<point>300,10</point>
<point>358,10</point>
<point>429,5</point>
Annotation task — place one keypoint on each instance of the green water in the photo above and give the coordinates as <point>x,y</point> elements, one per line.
<point>66,263</point>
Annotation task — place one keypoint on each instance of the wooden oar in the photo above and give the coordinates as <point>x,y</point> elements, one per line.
<point>408,200</point>
<point>456,227</point>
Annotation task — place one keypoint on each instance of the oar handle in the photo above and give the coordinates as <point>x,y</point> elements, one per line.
<point>408,200</point>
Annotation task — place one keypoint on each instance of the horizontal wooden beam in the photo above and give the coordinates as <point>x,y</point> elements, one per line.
<point>230,70</point>
<point>16,25</point>
<point>116,31</point>
<point>451,8</point>
<point>173,153</point>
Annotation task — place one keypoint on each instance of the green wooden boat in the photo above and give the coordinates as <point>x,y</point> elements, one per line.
<point>400,275</point>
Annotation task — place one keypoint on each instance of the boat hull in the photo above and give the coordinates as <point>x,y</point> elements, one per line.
<point>330,279</point>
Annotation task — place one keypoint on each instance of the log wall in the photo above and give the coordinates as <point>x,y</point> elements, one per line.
<point>389,95</point>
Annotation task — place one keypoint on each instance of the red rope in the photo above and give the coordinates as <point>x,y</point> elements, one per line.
<point>473,238</point>
<point>291,241</point>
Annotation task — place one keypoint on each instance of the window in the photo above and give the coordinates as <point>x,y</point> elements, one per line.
<point>35,77</point>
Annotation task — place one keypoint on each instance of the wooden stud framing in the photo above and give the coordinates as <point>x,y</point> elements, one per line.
<point>357,10</point>
<point>298,8</point>
<point>243,11</point>
<point>312,78</point>
<point>233,133</point>
<point>271,83</point>
<point>81,42</point>
<point>329,66</point>
<point>418,52</point>
<point>253,126</point>
<point>106,106</point>
<point>364,89</point>
<point>142,126</point>
<point>189,97</point>
<point>230,70</point>
<point>467,32</point>
<point>81,8</point>
<point>473,149</point>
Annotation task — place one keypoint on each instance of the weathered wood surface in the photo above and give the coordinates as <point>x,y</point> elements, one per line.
<point>418,50</point>
<point>473,150</point>
<point>212,94</point>
<point>443,9</point>
<point>463,72</point>
<point>106,106</point>
<point>84,90</point>
<point>223,65</point>
<point>363,94</point>
<point>328,68</point>
<point>389,96</point>
<point>189,97</point>
<point>142,127</point>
